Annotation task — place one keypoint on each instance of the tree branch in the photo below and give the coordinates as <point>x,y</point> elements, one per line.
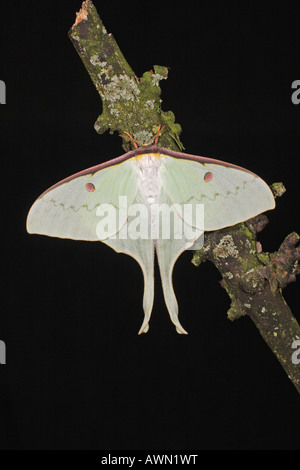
<point>129,103</point>
<point>253,279</point>
<point>254,282</point>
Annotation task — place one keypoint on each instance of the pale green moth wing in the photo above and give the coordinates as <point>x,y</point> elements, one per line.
<point>147,177</point>
<point>230,194</point>
<point>168,249</point>
<point>143,252</point>
<point>70,209</point>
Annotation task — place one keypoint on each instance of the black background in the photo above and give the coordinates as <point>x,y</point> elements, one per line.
<point>78,376</point>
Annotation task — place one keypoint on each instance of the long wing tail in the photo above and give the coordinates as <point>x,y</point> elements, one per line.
<point>143,252</point>
<point>167,253</point>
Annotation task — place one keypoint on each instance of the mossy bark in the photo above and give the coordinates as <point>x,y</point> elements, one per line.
<point>129,103</point>
<point>254,282</point>
<point>253,279</point>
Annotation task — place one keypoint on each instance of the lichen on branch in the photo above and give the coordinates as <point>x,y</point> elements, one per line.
<point>129,103</point>
<point>254,281</point>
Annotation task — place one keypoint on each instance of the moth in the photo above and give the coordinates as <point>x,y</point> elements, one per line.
<point>96,204</point>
